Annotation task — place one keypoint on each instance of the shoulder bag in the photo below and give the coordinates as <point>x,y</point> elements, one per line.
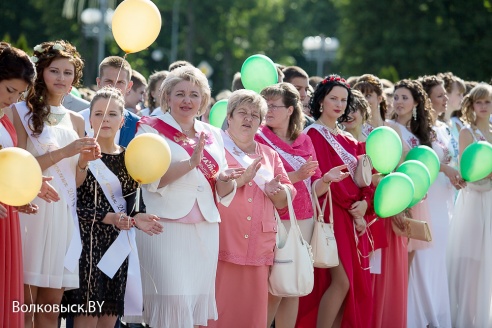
<point>363,172</point>
<point>323,243</point>
<point>292,272</point>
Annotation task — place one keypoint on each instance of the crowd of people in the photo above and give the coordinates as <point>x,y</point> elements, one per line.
<point>195,247</point>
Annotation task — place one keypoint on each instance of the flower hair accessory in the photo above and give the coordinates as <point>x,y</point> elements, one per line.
<point>59,47</point>
<point>335,78</point>
<point>39,48</point>
<point>34,59</point>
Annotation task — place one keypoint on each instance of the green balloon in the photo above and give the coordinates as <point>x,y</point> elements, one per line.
<point>218,113</point>
<point>428,157</point>
<point>258,72</point>
<point>383,145</point>
<point>476,161</point>
<point>393,194</point>
<point>420,176</point>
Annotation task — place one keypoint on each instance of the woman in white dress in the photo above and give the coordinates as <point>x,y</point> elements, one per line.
<point>428,297</point>
<point>470,242</point>
<point>179,266</point>
<point>55,136</point>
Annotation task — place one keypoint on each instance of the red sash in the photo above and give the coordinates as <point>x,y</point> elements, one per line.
<point>208,166</point>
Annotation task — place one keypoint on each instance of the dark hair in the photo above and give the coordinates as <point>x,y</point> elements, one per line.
<point>369,83</point>
<point>290,97</point>
<point>422,126</point>
<point>15,64</point>
<point>362,105</point>
<point>44,54</point>
<point>314,80</point>
<point>322,89</point>
<point>138,80</point>
<point>291,72</point>
<point>450,79</point>
<point>153,79</point>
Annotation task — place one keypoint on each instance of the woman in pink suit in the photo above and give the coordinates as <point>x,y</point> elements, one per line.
<point>248,227</point>
<point>342,295</point>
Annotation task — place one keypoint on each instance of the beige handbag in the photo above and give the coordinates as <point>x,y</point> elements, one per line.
<point>323,243</point>
<point>414,229</point>
<point>292,272</point>
<point>363,172</point>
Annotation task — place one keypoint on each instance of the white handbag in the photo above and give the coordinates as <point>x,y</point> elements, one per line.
<point>292,272</point>
<point>323,242</point>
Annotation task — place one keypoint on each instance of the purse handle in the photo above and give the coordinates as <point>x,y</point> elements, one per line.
<point>292,214</point>
<point>317,209</point>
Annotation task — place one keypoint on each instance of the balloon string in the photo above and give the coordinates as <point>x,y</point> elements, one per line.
<point>110,96</point>
<point>90,247</point>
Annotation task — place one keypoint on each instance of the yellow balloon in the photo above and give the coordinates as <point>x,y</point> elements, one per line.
<point>147,157</point>
<point>136,24</point>
<point>20,176</point>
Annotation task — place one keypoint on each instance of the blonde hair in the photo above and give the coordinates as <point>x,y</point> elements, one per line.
<point>480,91</point>
<point>190,74</point>
<point>248,97</point>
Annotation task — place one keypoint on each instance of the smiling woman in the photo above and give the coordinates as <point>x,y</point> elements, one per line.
<point>55,136</point>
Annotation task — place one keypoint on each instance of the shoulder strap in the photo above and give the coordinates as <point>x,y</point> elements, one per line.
<point>318,211</point>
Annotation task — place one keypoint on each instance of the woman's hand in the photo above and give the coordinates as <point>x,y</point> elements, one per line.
<point>335,174</point>
<point>197,155</point>
<point>231,174</point>
<point>399,221</point>
<point>86,157</point>
<point>47,192</point>
<point>358,209</point>
<point>80,146</point>
<point>3,212</point>
<point>453,176</point>
<point>148,223</point>
<point>28,208</point>
<point>273,186</point>
<point>307,170</point>
<point>360,225</point>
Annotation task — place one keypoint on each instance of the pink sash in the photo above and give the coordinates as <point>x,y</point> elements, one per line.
<point>208,166</point>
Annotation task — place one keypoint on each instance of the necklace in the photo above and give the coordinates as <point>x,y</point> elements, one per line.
<point>238,151</point>
<point>1,112</point>
<point>334,131</point>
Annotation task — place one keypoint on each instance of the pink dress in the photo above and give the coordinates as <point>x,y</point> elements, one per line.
<point>11,270</point>
<point>358,302</point>
<point>246,243</point>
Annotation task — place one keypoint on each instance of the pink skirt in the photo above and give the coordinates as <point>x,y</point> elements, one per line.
<point>241,293</point>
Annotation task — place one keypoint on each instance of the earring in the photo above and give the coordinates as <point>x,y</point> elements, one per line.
<point>321,109</point>
<point>414,113</point>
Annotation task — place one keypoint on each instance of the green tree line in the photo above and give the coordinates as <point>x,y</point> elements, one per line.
<point>393,39</point>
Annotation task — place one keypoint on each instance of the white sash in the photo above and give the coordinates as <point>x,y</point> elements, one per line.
<point>63,175</point>
<point>408,137</point>
<point>124,246</point>
<point>346,157</point>
<point>295,161</point>
<point>262,177</point>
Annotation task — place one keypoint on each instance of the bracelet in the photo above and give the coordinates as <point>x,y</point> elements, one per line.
<point>82,169</point>
<point>323,179</point>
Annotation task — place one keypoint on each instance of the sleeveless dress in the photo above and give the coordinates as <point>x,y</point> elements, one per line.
<point>46,235</point>
<point>11,275</point>
<point>469,261</point>
<point>95,285</point>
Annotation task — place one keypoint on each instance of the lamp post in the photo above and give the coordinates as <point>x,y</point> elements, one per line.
<point>320,49</point>
<point>96,25</point>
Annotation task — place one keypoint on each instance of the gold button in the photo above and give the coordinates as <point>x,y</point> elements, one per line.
<point>246,236</point>
<point>248,218</point>
<point>250,200</point>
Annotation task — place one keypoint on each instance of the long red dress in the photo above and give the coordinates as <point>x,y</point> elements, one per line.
<point>358,302</point>
<point>11,271</point>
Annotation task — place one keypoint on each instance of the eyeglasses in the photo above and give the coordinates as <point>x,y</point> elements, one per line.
<point>275,107</point>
